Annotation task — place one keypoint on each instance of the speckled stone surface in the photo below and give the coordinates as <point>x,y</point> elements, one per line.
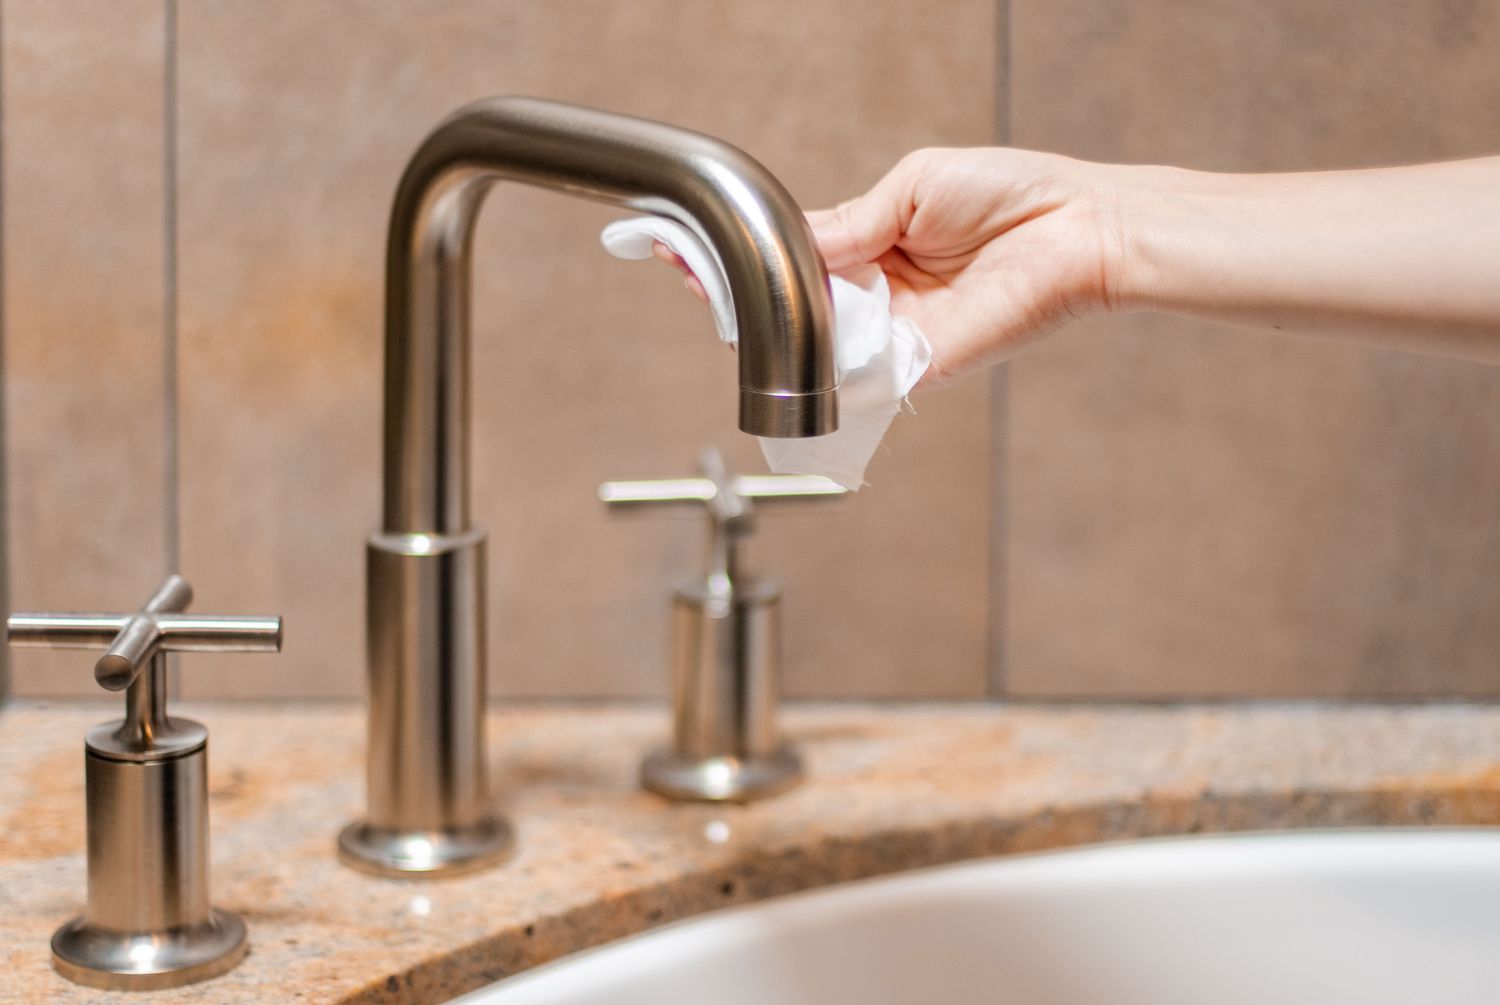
<point>892,787</point>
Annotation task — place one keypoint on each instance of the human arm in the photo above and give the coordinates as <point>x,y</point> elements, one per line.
<point>989,248</point>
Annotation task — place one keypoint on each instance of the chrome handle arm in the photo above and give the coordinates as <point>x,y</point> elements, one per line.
<point>131,640</point>
<point>760,488</point>
<point>183,633</point>
<point>706,489</point>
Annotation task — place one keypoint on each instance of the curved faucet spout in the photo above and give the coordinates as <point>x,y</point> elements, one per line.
<point>780,288</point>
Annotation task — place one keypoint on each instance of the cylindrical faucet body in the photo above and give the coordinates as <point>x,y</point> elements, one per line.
<point>427,786</point>
<point>429,805</point>
<point>148,839</point>
<point>725,664</point>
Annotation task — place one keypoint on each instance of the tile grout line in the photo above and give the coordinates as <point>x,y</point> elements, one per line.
<point>996,683</point>
<point>170,432</point>
<point>4,451</point>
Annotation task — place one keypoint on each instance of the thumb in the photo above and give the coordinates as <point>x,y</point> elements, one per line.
<point>861,230</point>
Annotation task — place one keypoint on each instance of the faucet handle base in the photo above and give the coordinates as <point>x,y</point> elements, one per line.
<point>721,779</point>
<point>100,957</point>
<point>726,656</point>
<point>422,854</point>
<point>149,923</point>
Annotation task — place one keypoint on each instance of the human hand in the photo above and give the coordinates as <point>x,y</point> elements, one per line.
<point>985,249</point>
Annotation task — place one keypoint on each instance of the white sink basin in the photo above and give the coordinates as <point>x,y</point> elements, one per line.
<point>1362,917</point>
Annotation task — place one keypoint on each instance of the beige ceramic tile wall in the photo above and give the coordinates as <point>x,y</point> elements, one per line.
<point>1191,510</point>
<point>296,119</point>
<point>1194,510</point>
<point>85,408</point>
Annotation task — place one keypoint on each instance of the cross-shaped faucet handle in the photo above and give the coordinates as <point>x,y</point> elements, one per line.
<point>149,922</point>
<point>131,640</point>
<point>134,660</point>
<point>729,498</point>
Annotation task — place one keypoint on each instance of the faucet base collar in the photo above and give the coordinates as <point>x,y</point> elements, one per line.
<point>99,957</point>
<point>419,854</point>
<point>721,779</point>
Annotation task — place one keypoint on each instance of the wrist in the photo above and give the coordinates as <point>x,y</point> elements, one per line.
<point>1151,218</point>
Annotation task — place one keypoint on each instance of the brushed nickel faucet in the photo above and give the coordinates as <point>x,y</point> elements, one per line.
<point>429,809</point>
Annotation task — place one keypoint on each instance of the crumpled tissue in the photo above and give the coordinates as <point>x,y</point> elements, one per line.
<point>879,357</point>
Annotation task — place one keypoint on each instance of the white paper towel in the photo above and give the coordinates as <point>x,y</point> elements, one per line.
<point>879,357</point>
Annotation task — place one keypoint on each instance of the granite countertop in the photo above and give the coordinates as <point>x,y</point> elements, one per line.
<point>891,787</point>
